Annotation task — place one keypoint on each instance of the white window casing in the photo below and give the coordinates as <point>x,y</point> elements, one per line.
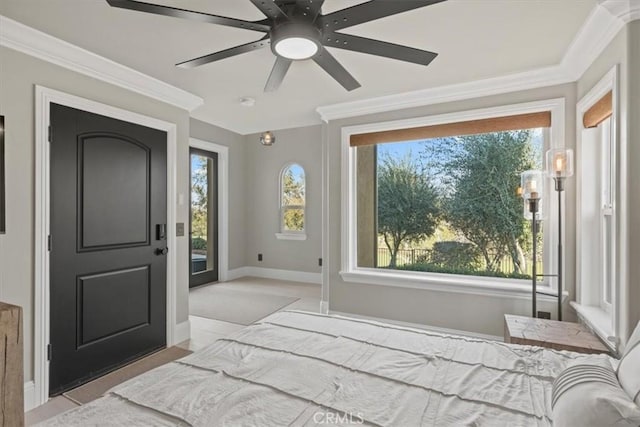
<point>284,233</point>
<point>350,272</point>
<point>598,225</point>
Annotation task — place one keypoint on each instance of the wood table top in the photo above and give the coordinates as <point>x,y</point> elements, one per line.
<point>553,334</point>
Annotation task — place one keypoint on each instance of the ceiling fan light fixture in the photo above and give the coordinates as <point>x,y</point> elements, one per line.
<point>296,48</point>
<point>295,40</point>
<point>267,138</point>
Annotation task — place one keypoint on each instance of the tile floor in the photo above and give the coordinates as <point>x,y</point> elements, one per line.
<point>205,331</point>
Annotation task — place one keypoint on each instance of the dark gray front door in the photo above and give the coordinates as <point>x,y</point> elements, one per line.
<point>108,245</point>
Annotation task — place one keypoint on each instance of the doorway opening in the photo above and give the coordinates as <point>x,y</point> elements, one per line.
<point>203,218</point>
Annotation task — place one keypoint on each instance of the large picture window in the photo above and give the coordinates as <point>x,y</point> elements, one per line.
<point>442,199</point>
<point>450,205</point>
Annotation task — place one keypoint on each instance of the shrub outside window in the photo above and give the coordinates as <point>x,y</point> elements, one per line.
<point>292,199</point>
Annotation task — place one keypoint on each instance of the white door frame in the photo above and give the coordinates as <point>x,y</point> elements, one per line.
<point>43,99</point>
<point>223,201</point>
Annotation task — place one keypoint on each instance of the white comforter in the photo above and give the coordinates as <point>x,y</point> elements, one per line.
<point>304,369</point>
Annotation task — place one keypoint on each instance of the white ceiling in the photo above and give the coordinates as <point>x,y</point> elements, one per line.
<point>475,39</point>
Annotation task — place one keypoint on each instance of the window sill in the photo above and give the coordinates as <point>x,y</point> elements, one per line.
<point>599,321</point>
<point>291,236</point>
<point>485,286</point>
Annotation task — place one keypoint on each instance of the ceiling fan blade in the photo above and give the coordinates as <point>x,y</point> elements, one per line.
<point>379,48</point>
<point>270,9</point>
<point>189,14</point>
<point>369,11</point>
<point>335,70</point>
<point>278,72</point>
<point>309,8</point>
<point>216,56</point>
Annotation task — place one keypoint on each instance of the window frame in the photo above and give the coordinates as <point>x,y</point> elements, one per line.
<point>291,234</point>
<point>606,324</point>
<point>350,272</point>
<point>607,179</point>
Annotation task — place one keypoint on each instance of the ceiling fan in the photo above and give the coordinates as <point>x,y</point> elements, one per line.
<point>296,30</point>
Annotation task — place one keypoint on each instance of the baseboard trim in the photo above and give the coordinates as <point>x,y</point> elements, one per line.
<point>290,275</point>
<point>324,307</point>
<point>274,273</point>
<point>29,395</point>
<point>237,273</point>
<point>182,332</point>
<point>421,326</point>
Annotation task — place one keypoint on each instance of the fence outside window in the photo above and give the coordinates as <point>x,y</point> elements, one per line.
<point>406,257</point>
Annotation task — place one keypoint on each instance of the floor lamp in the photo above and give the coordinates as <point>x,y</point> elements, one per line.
<point>532,184</point>
<point>559,167</point>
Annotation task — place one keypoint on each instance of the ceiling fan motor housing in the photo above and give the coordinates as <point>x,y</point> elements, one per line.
<point>297,40</point>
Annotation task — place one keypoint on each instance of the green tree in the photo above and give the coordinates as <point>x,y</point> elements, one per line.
<point>293,198</point>
<point>408,204</point>
<point>199,196</point>
<point>484,173</point>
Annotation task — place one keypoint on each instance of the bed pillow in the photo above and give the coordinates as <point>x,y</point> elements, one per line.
<point>629,367</point>
<point>587,394</point>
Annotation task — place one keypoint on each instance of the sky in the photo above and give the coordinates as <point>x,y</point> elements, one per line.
<point>399,150</point>
<point>297,171</point>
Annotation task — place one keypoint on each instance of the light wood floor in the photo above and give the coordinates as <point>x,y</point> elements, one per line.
<point>205,331</point>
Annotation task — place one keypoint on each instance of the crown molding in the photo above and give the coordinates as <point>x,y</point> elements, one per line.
<point>30,41</point>
<point>625,10</point>
<point>547,76</point>
<point>600,27</point>
<point>604,22</point>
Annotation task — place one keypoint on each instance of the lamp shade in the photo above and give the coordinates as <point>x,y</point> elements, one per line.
<point>560,162</point>
<point>532,184</point>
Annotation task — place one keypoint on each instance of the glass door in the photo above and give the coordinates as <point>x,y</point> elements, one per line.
<point>203,223</point>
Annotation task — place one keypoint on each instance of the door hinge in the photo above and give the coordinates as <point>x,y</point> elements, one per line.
<point>49,134</point>
<point>48,352</point>
<point>49,242</point>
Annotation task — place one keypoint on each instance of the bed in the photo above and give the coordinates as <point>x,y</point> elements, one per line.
<point>298,368</point>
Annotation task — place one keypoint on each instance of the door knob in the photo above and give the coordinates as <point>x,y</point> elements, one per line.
<point>162,251</point>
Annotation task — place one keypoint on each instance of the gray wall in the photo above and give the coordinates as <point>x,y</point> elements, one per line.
<point>18,74</point>
<point>624,50</point>
<point>482,314</point>
<point>263,166</point>
<point>237,185</point>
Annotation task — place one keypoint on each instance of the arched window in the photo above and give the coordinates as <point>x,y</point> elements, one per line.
<point>292,200</point>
